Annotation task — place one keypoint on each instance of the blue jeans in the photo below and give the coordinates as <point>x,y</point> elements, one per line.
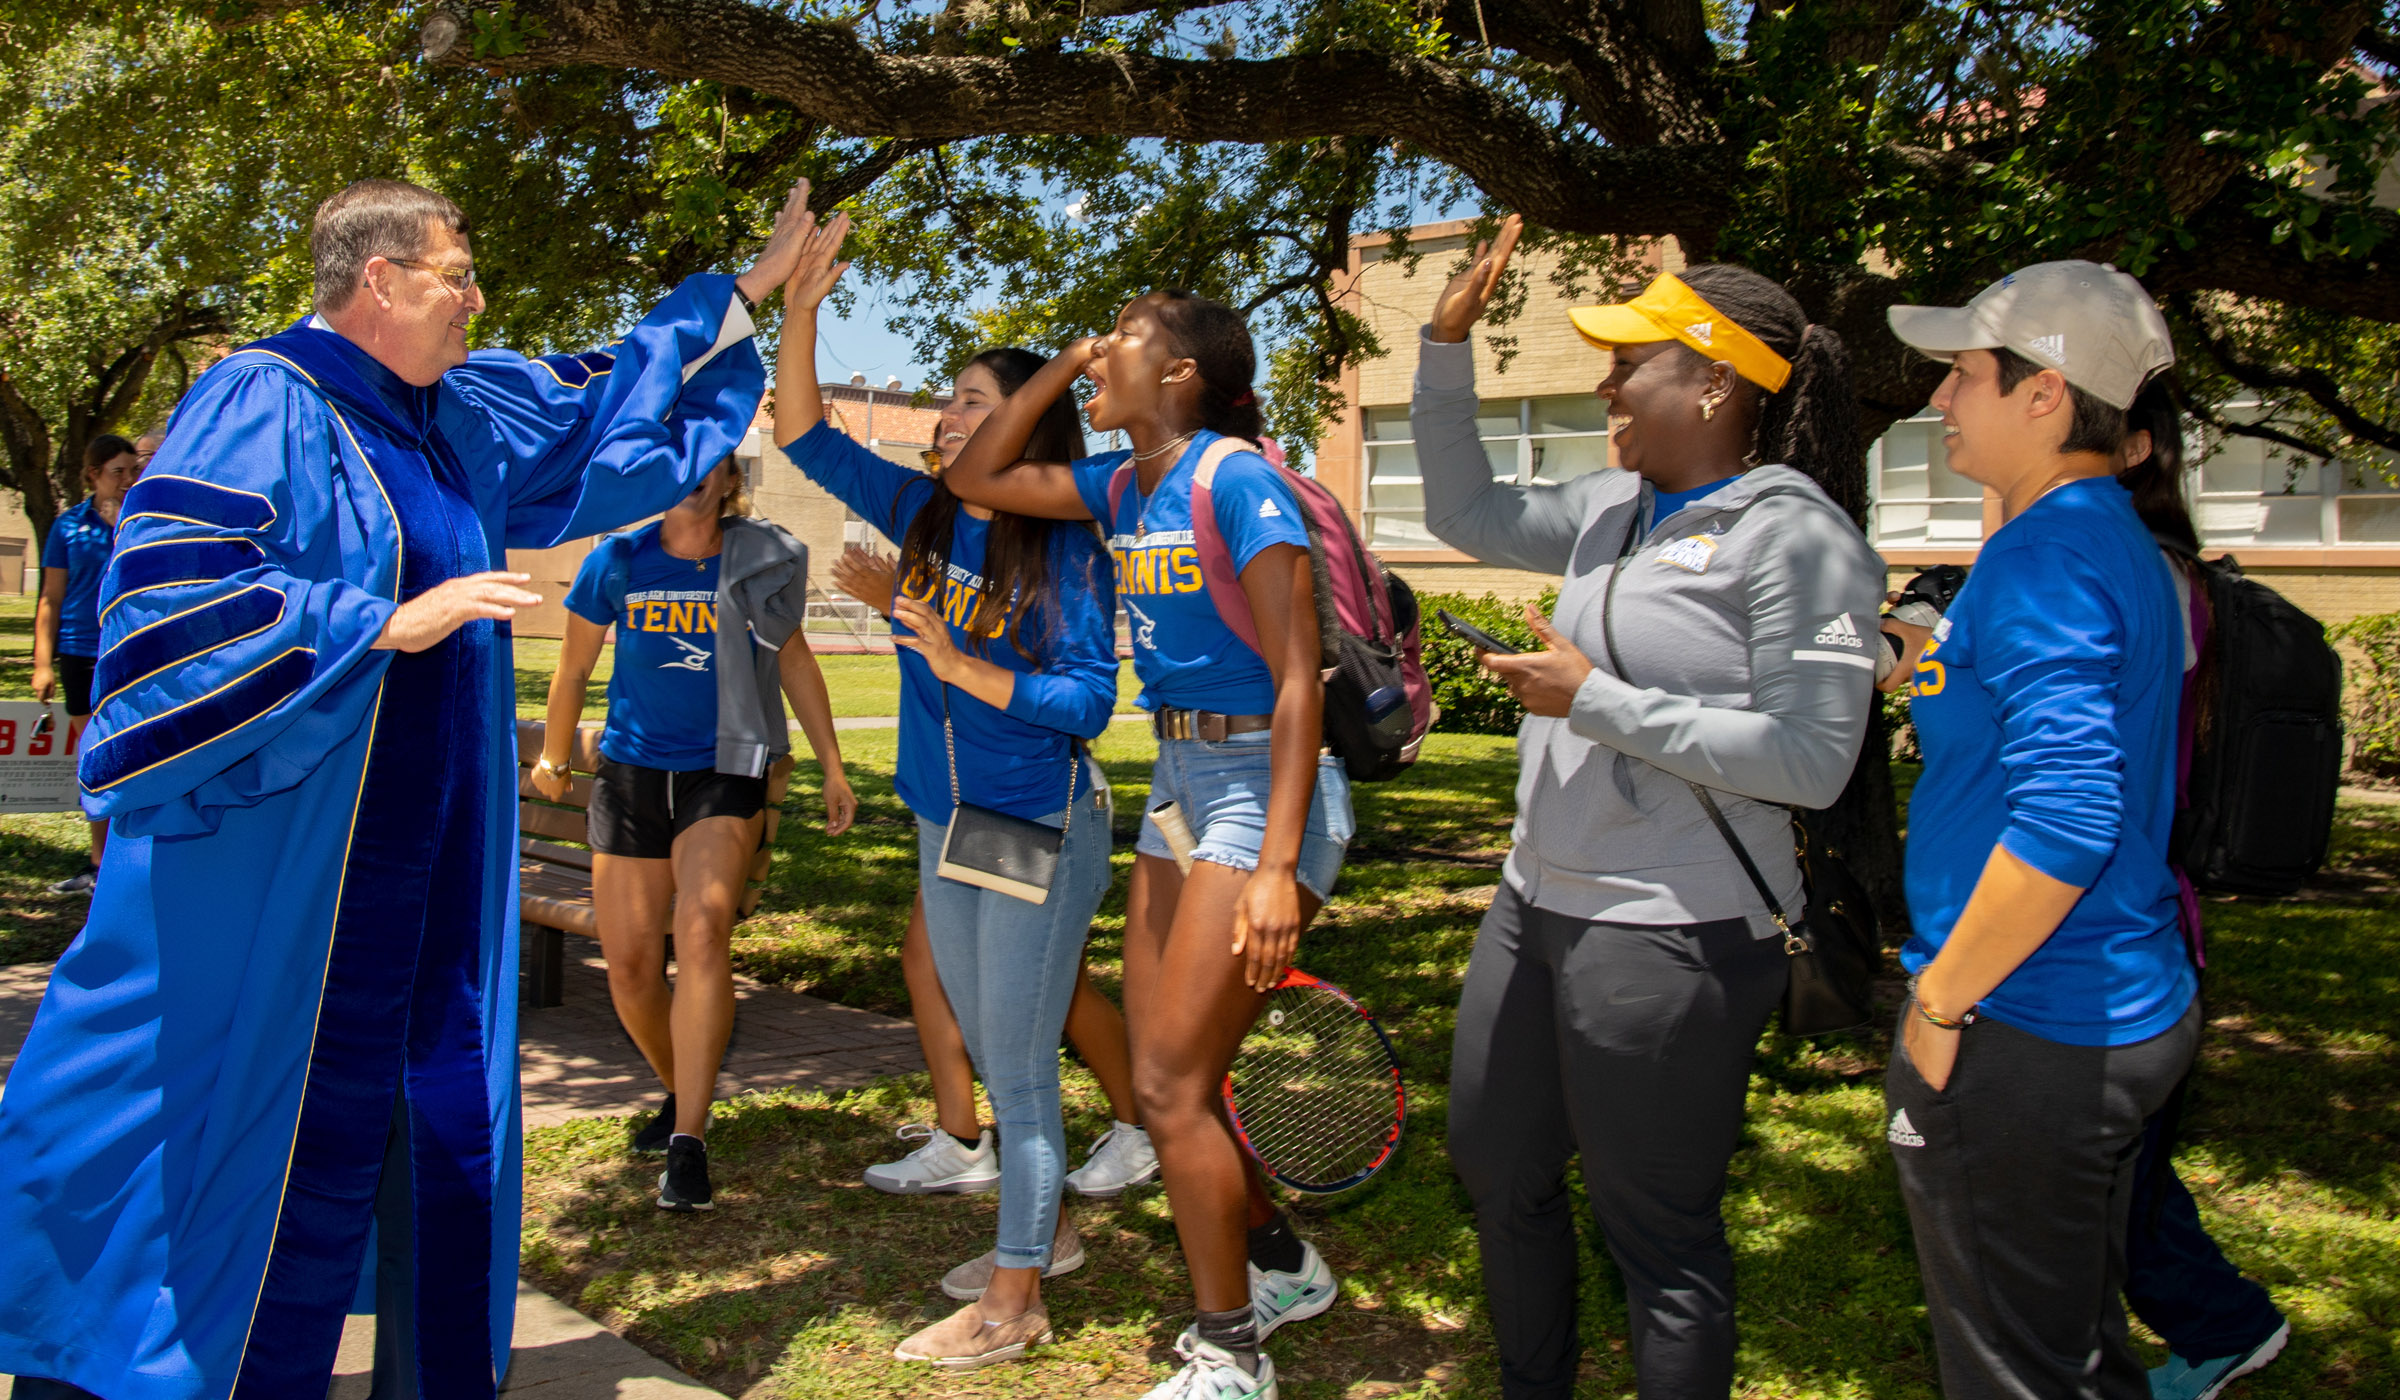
<point>2178,1282</point>
<point>1008,968</point>
<point>1222,787</point>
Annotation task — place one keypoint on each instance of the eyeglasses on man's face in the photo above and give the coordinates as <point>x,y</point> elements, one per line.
<point>460,280</point>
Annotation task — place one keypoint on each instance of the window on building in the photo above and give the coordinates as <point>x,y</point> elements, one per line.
<point>2246,492</point>
<point>2251,492</point>
<point>1530,440</point>
<point>1918,502</point>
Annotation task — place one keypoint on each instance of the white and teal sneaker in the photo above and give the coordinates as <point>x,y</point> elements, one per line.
<point>1210,1373</point>
<point>1277,1297</point>
<point>2184,1380</point>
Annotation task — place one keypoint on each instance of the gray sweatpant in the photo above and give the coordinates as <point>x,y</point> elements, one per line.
<point>1630,1044</point>
<point>2019,1178</point>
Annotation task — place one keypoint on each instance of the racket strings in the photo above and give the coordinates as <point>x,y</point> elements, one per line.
<point>1315,1089</point>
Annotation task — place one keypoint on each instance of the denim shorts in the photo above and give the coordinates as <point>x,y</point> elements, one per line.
<point>1221,785</point>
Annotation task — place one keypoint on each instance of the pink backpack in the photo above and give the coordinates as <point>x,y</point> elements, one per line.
<point>1378,703</point>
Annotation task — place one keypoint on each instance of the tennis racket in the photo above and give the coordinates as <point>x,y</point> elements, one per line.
<point>1315,1094</point>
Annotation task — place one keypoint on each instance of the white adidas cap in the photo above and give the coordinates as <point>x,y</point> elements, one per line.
<point>2093,324</point>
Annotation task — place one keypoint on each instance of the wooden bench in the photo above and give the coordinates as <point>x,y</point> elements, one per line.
<point>554,880</point>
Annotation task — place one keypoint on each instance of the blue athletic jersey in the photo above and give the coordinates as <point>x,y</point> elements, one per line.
<point>1012,760</point>
<point>79,543</point>
<point>1666,503</point>
<point>2047,706</point>
<point>1186,656</point>
<point>662,697</point>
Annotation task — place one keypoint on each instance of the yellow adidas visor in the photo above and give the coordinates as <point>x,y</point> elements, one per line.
<point>1669,310</point>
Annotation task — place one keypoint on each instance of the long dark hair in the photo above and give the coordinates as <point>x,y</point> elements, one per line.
<point>1812,422</point>
<point>1214,337</point>
<point>1017,575</point>
<point>2156,483</point>
<point>2157,480</point>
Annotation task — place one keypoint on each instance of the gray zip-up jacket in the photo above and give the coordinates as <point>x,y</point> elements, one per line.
<point>1746,623</point>
<point>762,592</point>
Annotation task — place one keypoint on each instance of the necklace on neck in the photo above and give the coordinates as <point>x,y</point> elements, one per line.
<point>1168,446</point>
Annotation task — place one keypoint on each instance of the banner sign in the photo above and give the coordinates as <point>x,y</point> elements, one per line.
<point>37,763</point>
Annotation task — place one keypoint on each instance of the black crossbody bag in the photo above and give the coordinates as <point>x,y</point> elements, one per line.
<point>1834,951</point>
<point>995,851</point>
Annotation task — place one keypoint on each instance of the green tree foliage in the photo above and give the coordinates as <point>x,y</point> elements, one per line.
<point>155,181</point>
<point>1020,167</point>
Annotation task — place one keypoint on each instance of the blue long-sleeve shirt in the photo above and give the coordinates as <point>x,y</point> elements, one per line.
<point>1012,760</point>
<point>2047,708</point>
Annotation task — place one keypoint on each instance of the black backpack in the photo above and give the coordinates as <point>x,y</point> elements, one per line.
<point>2265,769</point>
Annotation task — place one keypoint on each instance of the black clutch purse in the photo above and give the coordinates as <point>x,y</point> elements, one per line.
<point>992,850</point>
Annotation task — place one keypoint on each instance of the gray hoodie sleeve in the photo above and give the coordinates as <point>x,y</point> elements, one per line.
<point>1522,527</point>
<point>1812,605</point>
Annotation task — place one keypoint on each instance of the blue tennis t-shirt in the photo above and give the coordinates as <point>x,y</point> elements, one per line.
<point>1186,656</point>
<point>662,696</point>
<point>79,542</point>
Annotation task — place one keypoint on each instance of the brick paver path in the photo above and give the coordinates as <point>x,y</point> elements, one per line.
<point>577,1062</point>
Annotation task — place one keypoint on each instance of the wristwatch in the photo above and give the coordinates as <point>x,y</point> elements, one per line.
<point>544,765</point>
<point>747,303</point>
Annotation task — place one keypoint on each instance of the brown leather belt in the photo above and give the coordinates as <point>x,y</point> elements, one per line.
<point>1205,724</point>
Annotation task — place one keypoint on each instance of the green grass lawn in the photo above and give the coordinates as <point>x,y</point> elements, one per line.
<point>802,1282</point>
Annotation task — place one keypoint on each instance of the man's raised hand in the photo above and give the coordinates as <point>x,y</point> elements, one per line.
<point>434,614</point>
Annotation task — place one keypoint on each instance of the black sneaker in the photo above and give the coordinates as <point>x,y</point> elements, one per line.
<point>650,1139</point>
<point>683,1186</point>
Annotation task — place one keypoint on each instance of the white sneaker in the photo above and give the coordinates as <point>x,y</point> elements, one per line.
<point>1123,1157</point>
<point>1277,1297</point>
<point>1210,1373</point>
<point>940,1165</point>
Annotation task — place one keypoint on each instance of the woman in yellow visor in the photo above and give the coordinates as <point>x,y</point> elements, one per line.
<point>1715,622</point>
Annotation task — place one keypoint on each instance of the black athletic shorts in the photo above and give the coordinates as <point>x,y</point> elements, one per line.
<point>639,811</point>
<point>75,678</point>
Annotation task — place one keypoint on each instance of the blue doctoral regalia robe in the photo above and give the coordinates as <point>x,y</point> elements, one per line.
<point>309,902</point>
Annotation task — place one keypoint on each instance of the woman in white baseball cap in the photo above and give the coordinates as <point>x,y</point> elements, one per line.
<point>2052,1009</point>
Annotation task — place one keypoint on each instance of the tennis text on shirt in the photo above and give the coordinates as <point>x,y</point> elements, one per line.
<point>1185,655</point>
<point>662,692</point>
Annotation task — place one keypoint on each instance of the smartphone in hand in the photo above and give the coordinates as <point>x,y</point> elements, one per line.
<point>1473,635</point>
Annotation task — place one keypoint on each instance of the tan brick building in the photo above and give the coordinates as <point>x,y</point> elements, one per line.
<point>2327,537</point>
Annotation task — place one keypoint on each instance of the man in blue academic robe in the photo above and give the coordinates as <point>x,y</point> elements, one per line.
<point>277,1071</point>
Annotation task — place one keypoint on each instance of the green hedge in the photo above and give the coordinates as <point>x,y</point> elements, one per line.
<point>1473,700</point>
<point>2371,692</point>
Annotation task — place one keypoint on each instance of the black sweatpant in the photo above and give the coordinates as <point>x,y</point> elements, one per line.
<point>2019,1178</point>
<point>1632,1045</point>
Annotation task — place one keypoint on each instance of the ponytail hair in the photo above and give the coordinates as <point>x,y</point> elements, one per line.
<point>1214,336</point>
<point>2157,480</point>
<point>1812,422</point>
